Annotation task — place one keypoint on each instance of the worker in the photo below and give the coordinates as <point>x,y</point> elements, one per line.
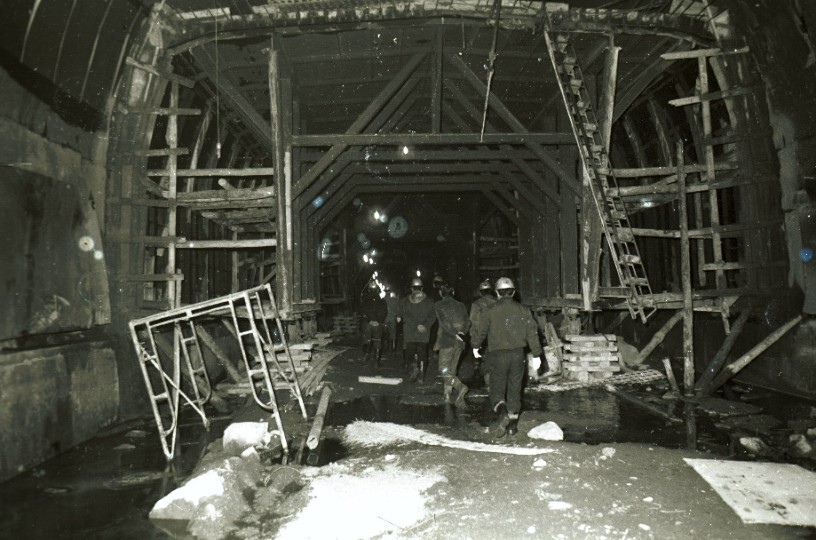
<point>416,312</point>
<point>479,306</point>
<point>391,301</point>
<point>373,310</point>
<point>509,328</point>
<point>450,342</point>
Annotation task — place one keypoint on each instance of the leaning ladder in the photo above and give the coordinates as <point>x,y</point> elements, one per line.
<point>586,128</point>
<point>269,366</point>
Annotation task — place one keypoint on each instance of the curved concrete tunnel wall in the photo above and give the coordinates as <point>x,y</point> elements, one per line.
<point>55,396</point>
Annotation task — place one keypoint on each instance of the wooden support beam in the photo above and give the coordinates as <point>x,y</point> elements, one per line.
<point>158,72</point>
<point>359,125</point>
<point>500,206</point>
<point>698,53</point>
<point>737,365</point>
<point>659,336</point>
<point>228,244</point>
<point>230,94</point>
<point>499,108</point>
<point>426,139</point>
<point>313,440</point>
<point>260,171</point>
<point>700,98</point>
<point>703,385</point>
<point>436,81</point>
<point>685,278</point>
<point>643,79</point>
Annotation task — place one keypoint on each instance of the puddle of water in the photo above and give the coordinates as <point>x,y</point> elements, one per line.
<point>98,491</point>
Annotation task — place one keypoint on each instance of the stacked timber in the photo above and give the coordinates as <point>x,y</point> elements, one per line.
<point>591,357</point>
<point>311,380</point>
<point>322,339</point>
<point>345,324</point>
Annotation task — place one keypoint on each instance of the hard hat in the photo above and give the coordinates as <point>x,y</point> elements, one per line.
<point>438,279</point>
<point>504,283</point>
<point>485,285</point>
<point>416,282</point>
<point>372,284</point>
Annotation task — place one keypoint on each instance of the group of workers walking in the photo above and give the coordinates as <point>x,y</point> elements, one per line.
<point>496,320</point>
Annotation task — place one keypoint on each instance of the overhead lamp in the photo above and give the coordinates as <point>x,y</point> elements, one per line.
<point>405,150</point>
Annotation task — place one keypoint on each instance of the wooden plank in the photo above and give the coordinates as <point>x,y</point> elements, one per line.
<point>698,53</point>
<point>146,278</point>
<point>158,152</point>
<point>228,244</point>
<point>710,96</point>
<point>258,171</point>
<point>183,81</point>
<point>414,139</point>
<point>162,111</point>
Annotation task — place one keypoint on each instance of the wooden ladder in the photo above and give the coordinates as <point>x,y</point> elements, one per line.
<point>586,129</point>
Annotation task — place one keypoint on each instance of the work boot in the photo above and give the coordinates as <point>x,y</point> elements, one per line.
<point>512,426</point>
<point>500,427</point>
<point>460,397</point>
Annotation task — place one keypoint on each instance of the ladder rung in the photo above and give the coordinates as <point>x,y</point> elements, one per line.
<point>636,282</point>
<point>589,127</point>
<point>245,333</point>
<point>630,259</point>
<point>162,396</point>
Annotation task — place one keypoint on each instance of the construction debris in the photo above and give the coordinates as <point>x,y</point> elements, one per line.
<point>635,377</point>
<point>591,357</point>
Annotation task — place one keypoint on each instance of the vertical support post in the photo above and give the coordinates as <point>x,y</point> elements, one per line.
<point>685,276</point>
<point>714,209</point>
<point>436,82</point>
<point>172,172</point>
<point>235,286</point>
<point>283,222</point>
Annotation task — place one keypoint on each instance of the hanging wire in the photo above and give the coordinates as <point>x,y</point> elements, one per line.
<point>491,59</point>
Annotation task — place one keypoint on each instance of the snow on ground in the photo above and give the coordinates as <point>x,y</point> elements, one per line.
<point>377,500</point>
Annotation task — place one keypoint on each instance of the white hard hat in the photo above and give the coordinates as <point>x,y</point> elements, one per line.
<point>485,285</point>
<point>416,282</point>
<point>504,283</point>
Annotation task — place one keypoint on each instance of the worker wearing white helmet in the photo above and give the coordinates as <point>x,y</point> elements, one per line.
<point>416,311</point>
<point>486,299</point>
<point>509,327</point>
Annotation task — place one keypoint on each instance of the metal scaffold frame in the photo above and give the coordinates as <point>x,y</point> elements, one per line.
<point>269,364</point>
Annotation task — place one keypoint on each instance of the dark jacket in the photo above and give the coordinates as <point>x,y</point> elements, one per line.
<point>477,309</point>
<point>372,307</point>
<point>507,325</point>
<point>453,318</point>
<point>416,309</point>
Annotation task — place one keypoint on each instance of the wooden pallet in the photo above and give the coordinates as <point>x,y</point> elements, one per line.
<point>635,377</point>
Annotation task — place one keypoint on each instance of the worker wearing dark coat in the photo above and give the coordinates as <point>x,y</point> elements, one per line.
<point>373,310</point>
<point>450,342</point>
<point>416,311</point>
<point>486,299</point>
<point>509,328</point>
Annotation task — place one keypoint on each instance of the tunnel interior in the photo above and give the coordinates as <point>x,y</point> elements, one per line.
<point>633,162</point>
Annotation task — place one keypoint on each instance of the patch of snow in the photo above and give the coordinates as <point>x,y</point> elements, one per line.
<point>209,484</point>
<point>558,505</point>
<point>539,463</point>
<point>377,502</point>
<point>644,527</point>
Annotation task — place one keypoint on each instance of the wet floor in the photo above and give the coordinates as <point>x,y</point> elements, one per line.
<point>102,489</point>
<point>106,487</point>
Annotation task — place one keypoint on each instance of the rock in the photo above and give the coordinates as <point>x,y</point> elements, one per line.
<point>242,435</point>
<point>548,431</point>
<point>755,445</point>
<point>211,503</point>
<point>801,446</point>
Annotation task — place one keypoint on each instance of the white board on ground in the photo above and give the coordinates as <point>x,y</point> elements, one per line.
<point>760,492</point>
